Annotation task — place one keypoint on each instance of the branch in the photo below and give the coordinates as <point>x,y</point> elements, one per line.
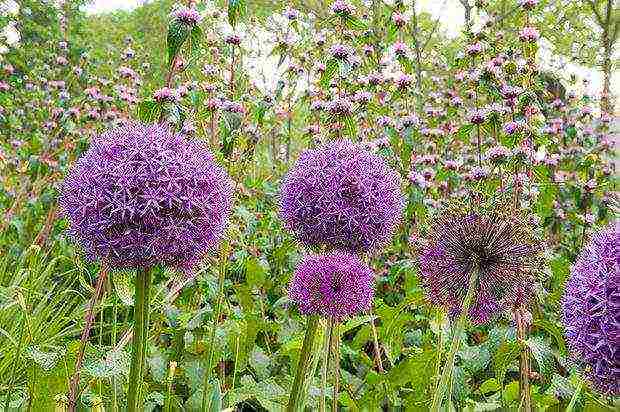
<point>597,14</point>
<point>435,25</point>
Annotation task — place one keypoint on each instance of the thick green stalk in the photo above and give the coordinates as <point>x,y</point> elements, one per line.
<point>326,351</point>
<point>446,376</point>
<point>336,362</point>
<point>140,330</point>
<point>302,365</point>
<point>206,398</point>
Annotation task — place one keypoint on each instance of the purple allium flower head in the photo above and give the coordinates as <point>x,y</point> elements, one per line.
<point>400,49</point>
<point>512,127</point>
<point>399,19</point>
<point>291,14</point>
<point>403,80</point>
<point>337,285</point>
<point>499,244</point>
<point>342,196</point>
<point>142,196</point>
<point>498,154</point>
<point>591,309</point>
<point>233,39</point>
<point>187,15</point>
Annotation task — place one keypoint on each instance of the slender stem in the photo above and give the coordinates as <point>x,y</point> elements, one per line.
<point>575,397</point>
<point>90,317</point>
<point>325,366</point>
<point>302,365</point>
<point>446,376</point>
<point>524,381</point>
<point>20,345</point>
<point>216,317</point>
<point>375,342</point>
<point>336,363</point>
<point>114,336</point>
<point>141,308</point>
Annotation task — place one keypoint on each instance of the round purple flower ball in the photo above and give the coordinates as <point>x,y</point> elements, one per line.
<point>342,196</point>
<point>500,245</point>
<point>337,285</point>
<point>591,310</point>
<point>142,195</point>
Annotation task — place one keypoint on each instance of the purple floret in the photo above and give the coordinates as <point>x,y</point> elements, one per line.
<point>337,285</point>
<point>591,310</point>
<point>503,249</point>
<point>342,196</point>
<point>142,195</point>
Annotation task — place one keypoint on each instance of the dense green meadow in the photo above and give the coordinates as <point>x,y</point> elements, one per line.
<point>454,315</point>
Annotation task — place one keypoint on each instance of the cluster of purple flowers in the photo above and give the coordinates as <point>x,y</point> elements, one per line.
<point>529,34</point>
<point>187,15</point>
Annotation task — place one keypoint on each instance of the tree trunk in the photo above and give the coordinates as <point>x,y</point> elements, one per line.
<point>606,66</point>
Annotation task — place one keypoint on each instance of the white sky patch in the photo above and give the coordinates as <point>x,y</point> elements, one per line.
<point>103,6</point>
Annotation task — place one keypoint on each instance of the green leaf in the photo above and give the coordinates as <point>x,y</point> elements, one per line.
<point>555,331</point>
<point>124,286</point>
<point>350,127</point>
<point>511,393</point>
<point>505,355</point>
<point>542,353</point>
<point>330,70</point>
<point>149,111</point>
<point>178,32</point>
<point>489,386</point>
<point>354,23</point>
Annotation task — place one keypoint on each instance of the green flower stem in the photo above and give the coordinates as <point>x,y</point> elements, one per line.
<point>140,327</point>
<point>302,365</point>
<point>446,376</point>
<point>524,365</point>
<point>318,355</point>
<point>336,362</point>
<point>206,399</point>
<point>326,351</point>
